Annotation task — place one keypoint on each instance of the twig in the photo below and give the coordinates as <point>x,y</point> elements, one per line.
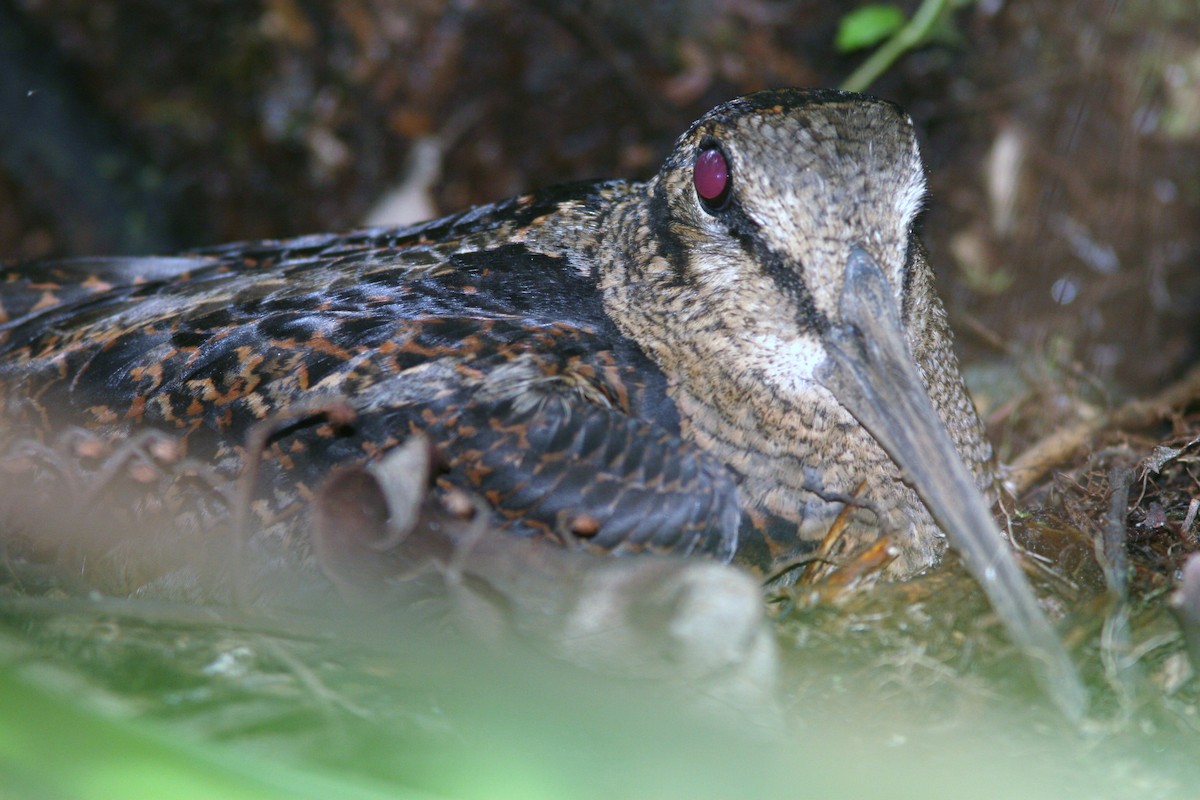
<point>1032,465</point>
<point>1111,551</point>
<point>914,33</point>
<point>338,412</point>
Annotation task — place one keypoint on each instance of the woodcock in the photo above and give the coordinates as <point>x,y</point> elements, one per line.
<point>721,360</point>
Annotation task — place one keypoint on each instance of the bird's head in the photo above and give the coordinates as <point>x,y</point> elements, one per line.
<point>792,307</point>
<point>782,228</point>
<point>763,198</point>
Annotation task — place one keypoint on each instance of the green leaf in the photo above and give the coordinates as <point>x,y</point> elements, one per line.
<point>868,26</point>
<point>55,745</point>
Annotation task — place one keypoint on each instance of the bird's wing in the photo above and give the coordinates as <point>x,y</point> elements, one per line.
<point>503,356</point>
<point>546,438</point>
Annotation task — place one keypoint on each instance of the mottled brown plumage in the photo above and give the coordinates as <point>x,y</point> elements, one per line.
<point>618,364</point>
<point>734,306</point>
<point>743,356</point>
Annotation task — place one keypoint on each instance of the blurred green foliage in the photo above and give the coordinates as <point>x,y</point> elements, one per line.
<point>868,26</point>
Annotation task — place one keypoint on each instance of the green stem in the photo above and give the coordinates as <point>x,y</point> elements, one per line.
<point>913,34</point>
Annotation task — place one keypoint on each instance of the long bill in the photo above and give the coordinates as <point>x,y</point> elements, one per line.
<point>870,372</point>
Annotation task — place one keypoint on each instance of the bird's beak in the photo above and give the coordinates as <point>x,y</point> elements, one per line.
<point>871,373</point>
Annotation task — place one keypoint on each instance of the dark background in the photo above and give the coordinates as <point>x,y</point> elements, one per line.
<point>151,126</point>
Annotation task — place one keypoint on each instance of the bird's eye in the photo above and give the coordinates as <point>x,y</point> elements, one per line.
<point>711,178</point>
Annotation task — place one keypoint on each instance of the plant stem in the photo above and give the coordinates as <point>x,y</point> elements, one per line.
<point>913,34</point>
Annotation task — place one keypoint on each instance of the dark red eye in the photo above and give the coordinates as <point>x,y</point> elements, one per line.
<point>712,178</point>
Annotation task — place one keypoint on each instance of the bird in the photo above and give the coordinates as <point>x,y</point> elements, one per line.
<point>617,366</point>
<point>742,358</point>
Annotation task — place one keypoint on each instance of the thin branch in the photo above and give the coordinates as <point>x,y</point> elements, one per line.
<point>913,34</point>
<point>1055,449</point>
